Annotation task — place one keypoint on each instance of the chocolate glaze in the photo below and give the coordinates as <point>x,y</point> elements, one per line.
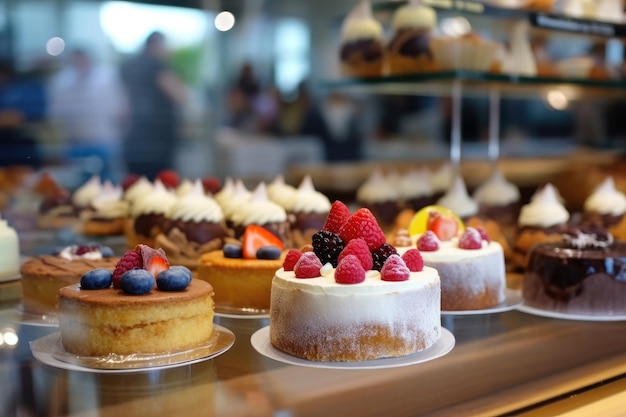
<point>605,220</point>
<point>201,232</point>
<point>411,42</point>
<point>145,222</point>
<point>506,214</point>
<point>370,49</point>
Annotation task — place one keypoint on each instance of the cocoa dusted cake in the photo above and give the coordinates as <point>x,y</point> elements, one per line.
<point>584,273</point>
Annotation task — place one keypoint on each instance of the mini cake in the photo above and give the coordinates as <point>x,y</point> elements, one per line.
<point>468,51</point>
<point>416,189</point>
<point>149,215</point>
<point>368,306</point>
<point>606,207</point>
<point>458,200</point>
<point>196,226</point>
<point>499,200</point>
<point>542,220</point>
<point>583,273</point>
<point>107,212</point>
<point>9,252</point>
<point>409,49</point>
<point>83,195</point>
<point>362,44</point>
<point>154,309</point>
<point>280,192</point>
<point>44,275</point>
<point>381,197</point>
<point>56,210</point>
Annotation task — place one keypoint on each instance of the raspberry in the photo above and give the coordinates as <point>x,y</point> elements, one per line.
<point>349,271</point>
<point>169,178</point>
<point>211,185</point>
<point>428,242</point>
<point>308,266</point>
<point>131,259</point>
<point>380,255</point>
<point>413,260</point>
<point>363,224</point>
<point>470,239</point>
<point>358,247</point>
<point>291,259</point>
<point>327,246</point>
<point>483,233</point>
<point>395,269</point>
<point>337,216</point>
<point>83,249</point>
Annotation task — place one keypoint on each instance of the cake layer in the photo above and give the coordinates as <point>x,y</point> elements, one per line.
<point>321,320</point>
<point>103,322</point>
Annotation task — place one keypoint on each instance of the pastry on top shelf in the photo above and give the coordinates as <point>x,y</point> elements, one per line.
<point>409,50</point>
<point>464,50</point>
<point>362,43</point>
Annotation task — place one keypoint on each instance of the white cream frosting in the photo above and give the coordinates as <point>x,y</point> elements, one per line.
<point>544,209</point>
<point>159,201</point>
<point>606,199</point>
<point>184,187</point>
<point>307,199</point>
<point>610,11</point>
<point>441,178</point>
<point>579,8</point>
<point>196,206</point>
<point>109,203</point>
<point>458,200</point>
<point>258,210</point>
<point>237,200</point>
<point>415,183</point>
<point>497,191</point>
<point>69,253</point>
<point>9,251</point>
<point>85,193</point>
<point>225,192</point>
<point>360,24</point>
<point>521,58</point>
<point>377,189</point>
<point>414,15</point>
<point>280,192</point>
<point>139,189</point>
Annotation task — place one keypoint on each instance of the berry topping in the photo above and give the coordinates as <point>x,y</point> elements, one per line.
<point>395,269</point>
<point>337,216</point>
<point>182,269</point>
<point>154,260</point>
<point>380,255</point>
<point>420,222</point>
<point>169,178</point>
<point>291,259</point>
<point>445,226</point>
<point>470,239</point>
<point>173,279</point>
<point>137,282</point>
<point>255,237</point>
<point>308,266</point>
<point>428,242</point>
<point>232,250</point>
<point>268,252</point>
<point>129,181</point>
<point>363,224</point>
<point>106,252</point>
<point>349,271</point>
<point>83,249</point>
<point>211,185</point>
<point>131,259</point>
<point>358,247</point>
<point>96,279</point>
<point>413,260</point>
<point>483,233</point>
<point>327,246</point>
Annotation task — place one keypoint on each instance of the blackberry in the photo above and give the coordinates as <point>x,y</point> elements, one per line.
<point>380,255</point>
<point>327,246</point>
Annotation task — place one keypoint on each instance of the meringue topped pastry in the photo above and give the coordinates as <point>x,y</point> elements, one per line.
<point>149,215</point>
<point>498,199</point>
<point>381,196</point>
<point>458,200</point>
<point>307,211</point>
<point>362,47</point>
<point>606,207</point>
<point>107,212</point>
<point>85,193</point>
<point>416,188</point>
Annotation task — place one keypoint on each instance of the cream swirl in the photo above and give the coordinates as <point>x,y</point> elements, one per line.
<point>377,189</point>
<point>184,187</point>
<point>458,200</point>
<point>280,192</point>
<point>307,199</point>
<point>225,192</point>
<point>85,193</point>
<point>415,183</point>
<point>360,24</point>
<point>237,199</point>
<point>606,199</point>
<point>414,15</point>
<point>259,210</point>
<point>441,178</point>
<point>159,201</point>
<point>497,191</point>
<point>544,209</point>
<point>109,204</point>
<point>196,207</point>
<point>139,189</point>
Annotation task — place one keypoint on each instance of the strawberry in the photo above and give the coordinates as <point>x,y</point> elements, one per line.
<point>154,260</point>
<point>483,233</point>
<point>349,271</point>
<point>255,237</point>
<point>211,185</point>
<point>470,239</point>
<point>428,242</point>
<point>130,260</point>
<point>169,178</point>
<point>443,225</point>
<point>291,259</point>
<point>308,266</point>
<point>358,247</point>
<point>337,216</point>
<point>129,181</point>
<point>395,269</point>
<point>413,260</point>
<point>362,223</point>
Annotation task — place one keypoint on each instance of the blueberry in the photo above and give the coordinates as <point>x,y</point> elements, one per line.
<point>232,251</point>
<point>173,279</point>
<point>106,252</point>
<point>184,269</point>
<point>96,279</point>
<point>137,281</point>
<point>268,252</point>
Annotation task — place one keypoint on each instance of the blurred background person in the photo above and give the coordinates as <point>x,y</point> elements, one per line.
<point>89,104</point>
<point>156,94</point>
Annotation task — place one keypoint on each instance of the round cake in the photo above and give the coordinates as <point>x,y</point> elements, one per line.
<point>9,252</point>
<point>108,321</point>
<point>44,275</point>
<point>584,274</point>
<point>322,320</point>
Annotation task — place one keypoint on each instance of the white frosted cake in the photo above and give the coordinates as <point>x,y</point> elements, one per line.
<point>9,252</point>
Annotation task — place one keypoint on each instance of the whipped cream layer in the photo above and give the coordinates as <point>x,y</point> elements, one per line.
<point>544,209</point>
<point>606,199</point>
<point>258,210</point>
<point>139,189</point>
<point>280,192</point>
<point>377,189</point>
<point>441,178</point>
<point>85,193</point>
<point>69,253</point>
<point>458,200</point>
<point>414,16</point>
<point>497,191</point>
<point>360,24</point>
<point>415,184</point>
<point>158,201</point>
<point>109,204</point>
<point>197,207</point>
<point>307,200</point>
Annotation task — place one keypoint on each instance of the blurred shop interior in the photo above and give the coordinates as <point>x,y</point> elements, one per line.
<point>255,100</point>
